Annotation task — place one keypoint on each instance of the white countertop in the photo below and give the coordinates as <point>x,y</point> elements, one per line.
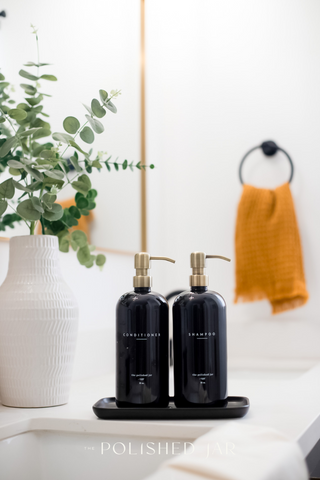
<point>291,406</point>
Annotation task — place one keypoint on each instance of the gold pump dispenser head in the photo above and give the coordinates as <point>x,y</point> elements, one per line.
<point>198,265</point>
<point>142,265</point>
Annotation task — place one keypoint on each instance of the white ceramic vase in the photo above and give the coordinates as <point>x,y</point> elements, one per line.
<point>38,326</point>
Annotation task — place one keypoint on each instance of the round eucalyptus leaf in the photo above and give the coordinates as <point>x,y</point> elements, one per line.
<point>103,95</point>
<point>64,245</point>
<point>3,206</point>
<point>57,174</point>
<point>74,211</point>
<point>17,114</point>
<point>110,106</point>
<point>71,125</point>
<point>87,135</point>
<point>98,111</point>
<point>26,210</point>
<point>7,189</point>
<point>82,203</point>
<point>2,77</point>
<point>100,260</point>
<point>55,213</point>
<point>95,124</point>
<point>83,255</point>
<point>62,137</point>
<point>80,238</point>
<point>24,106</point>
<point>2,119</point>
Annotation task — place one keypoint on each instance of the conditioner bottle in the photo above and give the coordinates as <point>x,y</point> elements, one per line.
<point>142,338</point>
<point>200,341</point>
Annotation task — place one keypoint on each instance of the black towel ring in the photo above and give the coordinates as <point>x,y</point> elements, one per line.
<point>269,148</point>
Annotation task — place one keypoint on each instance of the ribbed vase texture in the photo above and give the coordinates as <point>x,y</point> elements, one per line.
<point>38,326</point>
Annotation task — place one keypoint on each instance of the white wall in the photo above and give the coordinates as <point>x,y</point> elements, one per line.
<point>221,78</point>
<point>92,45</point>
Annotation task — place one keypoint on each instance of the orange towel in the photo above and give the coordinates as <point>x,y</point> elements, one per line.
<point>269,261</point>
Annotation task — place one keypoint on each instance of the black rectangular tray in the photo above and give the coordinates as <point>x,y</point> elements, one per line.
<point>107,409</point>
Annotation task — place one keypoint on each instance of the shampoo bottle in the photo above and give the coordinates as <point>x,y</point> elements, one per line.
<point>200,341</point>
<point>142,339</point>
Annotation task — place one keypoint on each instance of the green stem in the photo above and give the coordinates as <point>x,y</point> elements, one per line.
<point>32,227</point>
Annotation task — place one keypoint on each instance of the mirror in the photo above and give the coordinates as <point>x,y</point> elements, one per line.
<point>91,47</point>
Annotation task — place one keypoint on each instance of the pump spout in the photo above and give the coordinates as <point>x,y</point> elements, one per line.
<point>142,265</point>
<point>198,265</point>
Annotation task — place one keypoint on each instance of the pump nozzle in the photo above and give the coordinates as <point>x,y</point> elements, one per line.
<point>142,265</point>
<point>198,265</point>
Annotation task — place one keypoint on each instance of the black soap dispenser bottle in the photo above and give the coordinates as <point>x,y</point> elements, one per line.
<point>142,339</point>
<point>200,341</point>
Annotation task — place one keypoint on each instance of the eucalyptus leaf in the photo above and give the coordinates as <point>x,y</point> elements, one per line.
<point>15,164</point>
<point>49,182</point>
<point>110,106</point>
<point>80,187</point>
<point>29,89</point>
<point>14,172</point>
<point>88,109</point>
<point>100,260</point>
<point>87,135</point>
<point>55,213</point>
<point>17,114</point>
<point>96,164</point>
<point>75,145</point>
<point>75,163</point>
<point>18,186</point>
<point>51,78</point>
<point>3,206</point>
<point>83,255</point>
<point>49,199</point>
<point>82,202</point>
<point>34,100</point>
<point>90,262</point>
<point>24,106</point>
<point>29,132</point>
<point>57,174</point>
<point>71,125</point>
<point>64,244</point>
<point>48,154</point>
<point>34,173</point>
<point>27,211</point>
<point>80,238</point>
<point>29,76</point>
<point>62,137</point>
<point>41,132</point>
<point>7,189</point>
<point>7,146</point>
<point>95,124</point>
<point>36,204</point>
<point>103,95</point>
<point>75,212</point>
<point>98,111</point>
<point>85,179</point>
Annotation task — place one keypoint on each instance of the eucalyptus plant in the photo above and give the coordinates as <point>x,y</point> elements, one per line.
<point>39,169</point>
